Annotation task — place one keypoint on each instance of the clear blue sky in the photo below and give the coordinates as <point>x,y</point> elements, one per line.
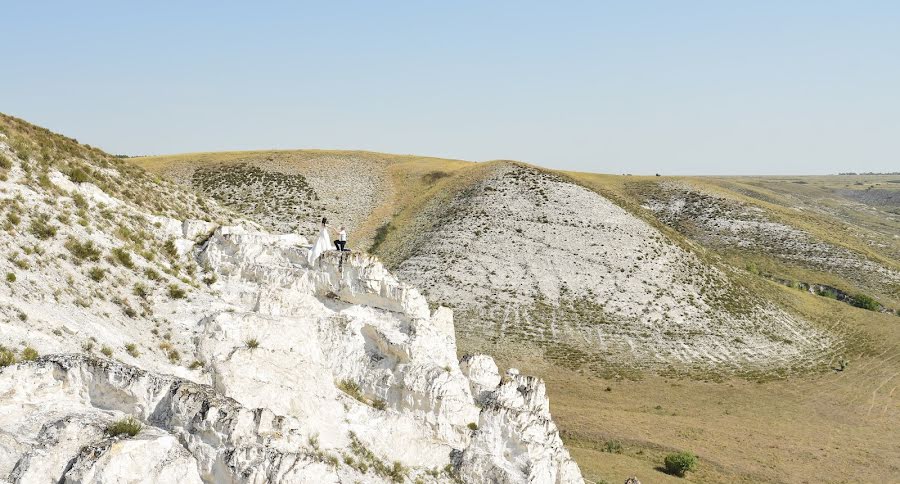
<point>718,87</point>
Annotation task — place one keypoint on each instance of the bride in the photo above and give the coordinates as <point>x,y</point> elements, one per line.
<point>322,244</point>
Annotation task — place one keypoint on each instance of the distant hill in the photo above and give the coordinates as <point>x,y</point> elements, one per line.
<point>599,273</point>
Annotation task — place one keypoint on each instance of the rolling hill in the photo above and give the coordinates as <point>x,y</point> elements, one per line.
<point>608,286</point>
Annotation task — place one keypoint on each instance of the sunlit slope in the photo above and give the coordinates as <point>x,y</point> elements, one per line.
<point>291,190</point>
<point>596,272</point>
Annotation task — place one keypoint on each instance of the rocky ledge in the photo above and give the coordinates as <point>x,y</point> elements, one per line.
<point>334,372</point>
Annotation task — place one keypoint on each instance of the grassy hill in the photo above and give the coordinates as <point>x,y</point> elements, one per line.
<point>702,313</point>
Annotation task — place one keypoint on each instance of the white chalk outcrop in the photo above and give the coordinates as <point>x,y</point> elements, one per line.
<point>330,373</point>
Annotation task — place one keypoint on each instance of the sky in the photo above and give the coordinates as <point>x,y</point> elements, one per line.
<point>689,87</point>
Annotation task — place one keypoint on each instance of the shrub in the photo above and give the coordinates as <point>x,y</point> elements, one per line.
<point>176,292</point>
<point>7,357</point>
<point>473,426</point>
<point>141,291</point>
<point>42,228</point>
<point>79,201</point>
<point>174,356</point>
<point>170,249</point>
<point>83,250</point>
<point>122,256</point>
<point>679,463</point>
<point>195,365</point>
<point>10,277</point>
<point>865,302</point>
<point>78,175</point>
<point>397,472</point>
<point>5,163</point>
<point>252,343</point>
<point>132,350</point>
<point>107,351</point>
<point>97,273</point>
<point>151,274</point>
<point>351,388</point>
<point>379,404</point>
<point>29,354</point>
<point>13,218</point>
<point>127,426</point>
<point>613,447</point>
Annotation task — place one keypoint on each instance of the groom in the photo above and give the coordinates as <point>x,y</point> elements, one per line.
<point>341,241</point>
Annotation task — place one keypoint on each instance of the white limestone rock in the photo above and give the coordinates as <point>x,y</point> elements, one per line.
<point>482,373</point>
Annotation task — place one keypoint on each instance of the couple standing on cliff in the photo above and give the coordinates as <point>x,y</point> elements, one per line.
<point>323,243</point>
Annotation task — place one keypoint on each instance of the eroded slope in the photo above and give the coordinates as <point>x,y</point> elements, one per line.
<point>527,255</point>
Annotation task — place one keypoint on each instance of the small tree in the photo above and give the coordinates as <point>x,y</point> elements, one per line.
<point>679,463</point>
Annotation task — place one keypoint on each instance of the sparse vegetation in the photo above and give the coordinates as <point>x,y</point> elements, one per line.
<point>42,228</point>
<point>122,256</point>
<point>83,251</point>
<point>97,273</point>
<point>128,426</point>
<point>613,447</point>
<point>252,343</point>
<point>7,356</point>
<point>865,302</point>
<point>29,354</point>
<point>176,292</point>
<point>132,350</point>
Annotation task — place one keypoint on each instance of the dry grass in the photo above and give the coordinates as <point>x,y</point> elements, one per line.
<point>817,426</point>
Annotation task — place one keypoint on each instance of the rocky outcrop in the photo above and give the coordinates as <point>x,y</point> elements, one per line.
<point>335,372</point>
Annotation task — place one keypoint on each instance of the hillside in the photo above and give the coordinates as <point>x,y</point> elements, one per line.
<point>742,289</point>
<point>151,335</point>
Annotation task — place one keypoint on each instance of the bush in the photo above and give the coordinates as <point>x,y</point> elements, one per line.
<point>679,463</point>
<point>7,357</point>
<point>176,292</point>
<point>29,354</point>
<point>865,302</point>
<point>351,388</point>
<point>141,291</point>
<point>122,256</point>
<point>10,277</point>
<point>151,274</point>
<point>613,447</point>
<point>96,273</point>
<point>107,351</point>
<point>132,350</point>
<point>170,249</point>
<point>473,426</point>
<point>78,175</point>
<point>5,163</point>
<point>252,343</point>
<point>42,228</point>
<point>83,250</point>
<point>127,426</point>
<point>79,201</point>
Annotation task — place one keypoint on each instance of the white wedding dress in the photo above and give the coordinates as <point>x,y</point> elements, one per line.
<point>322,244</point>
